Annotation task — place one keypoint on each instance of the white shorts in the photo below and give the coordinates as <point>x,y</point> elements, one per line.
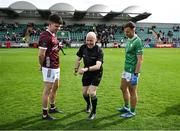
<point>50,75</point>
<point>126,75</point>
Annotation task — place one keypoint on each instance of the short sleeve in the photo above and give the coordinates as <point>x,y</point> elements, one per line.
<point>139,47</point>
<point>100,55</point>
<point>80,51</point>
<point>43,41</point>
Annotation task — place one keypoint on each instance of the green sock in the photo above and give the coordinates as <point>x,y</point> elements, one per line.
<point>126,105</point>
<point>132,109</point>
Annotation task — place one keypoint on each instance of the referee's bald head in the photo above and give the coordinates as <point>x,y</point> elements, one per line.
<point>91,39</point>
<point>91,34</point>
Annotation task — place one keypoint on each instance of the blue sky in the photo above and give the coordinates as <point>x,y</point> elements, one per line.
<point>163,11</point>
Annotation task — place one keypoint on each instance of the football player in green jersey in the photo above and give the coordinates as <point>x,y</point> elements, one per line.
<point>133,61</point>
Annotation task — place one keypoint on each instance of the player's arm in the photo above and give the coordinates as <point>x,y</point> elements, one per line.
<point>42,52</point>
<point>139,63</point>
<point>43,40</point>
<point>139,54</point>
<point>134,79</point>
<point>99,62</point>
<point>77,64</point>
<point>91,68</point>
<point>95,67</point>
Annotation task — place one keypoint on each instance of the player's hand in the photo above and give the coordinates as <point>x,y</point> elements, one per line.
<point>134,80</point>
<point>82,70</point>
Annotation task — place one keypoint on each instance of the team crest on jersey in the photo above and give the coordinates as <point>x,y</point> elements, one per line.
<point>54,40</point>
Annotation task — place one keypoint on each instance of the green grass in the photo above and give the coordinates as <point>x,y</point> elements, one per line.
<point>21,89</point>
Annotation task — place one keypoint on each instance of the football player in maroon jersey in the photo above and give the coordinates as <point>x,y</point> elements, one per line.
<point>49,64</point>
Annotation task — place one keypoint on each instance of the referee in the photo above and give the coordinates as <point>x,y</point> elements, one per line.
<point>92,56</point>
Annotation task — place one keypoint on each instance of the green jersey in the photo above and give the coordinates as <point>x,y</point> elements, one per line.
<point>134,47</point>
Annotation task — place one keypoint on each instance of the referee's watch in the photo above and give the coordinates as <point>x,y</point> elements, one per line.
<point>88,69</point>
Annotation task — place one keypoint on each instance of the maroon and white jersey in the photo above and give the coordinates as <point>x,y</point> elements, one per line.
<point>49,42</point>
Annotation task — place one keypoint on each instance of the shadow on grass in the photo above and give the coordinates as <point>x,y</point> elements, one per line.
<point>20,123</point>
<point>56,124</point>
<point>36,122</point>
<point>173,110</point>
<point>85,124</point>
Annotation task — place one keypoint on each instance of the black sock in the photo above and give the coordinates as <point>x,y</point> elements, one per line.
<point>94,103</point>
<point>86,98</point>
<point>52,106</point>
<point>45,112</point>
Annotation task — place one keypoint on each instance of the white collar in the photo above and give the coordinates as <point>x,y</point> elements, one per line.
<point>50,32</point>
<point>135,35</point>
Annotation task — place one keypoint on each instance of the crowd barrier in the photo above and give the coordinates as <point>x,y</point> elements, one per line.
<point>78,44</point>
<point>157,45</point>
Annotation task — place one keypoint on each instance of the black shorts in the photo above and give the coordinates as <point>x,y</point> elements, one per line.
<point>91,78</point>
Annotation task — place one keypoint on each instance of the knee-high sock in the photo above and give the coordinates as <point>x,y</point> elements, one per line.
<point>94,103</point>
<point>86,98</point>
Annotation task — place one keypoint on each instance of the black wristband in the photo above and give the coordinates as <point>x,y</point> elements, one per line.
<point>136,74</point>
<point>75,69</point>
<point>88,68</point>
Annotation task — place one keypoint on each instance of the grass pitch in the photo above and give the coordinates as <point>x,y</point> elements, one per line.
<point>21,89</point>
